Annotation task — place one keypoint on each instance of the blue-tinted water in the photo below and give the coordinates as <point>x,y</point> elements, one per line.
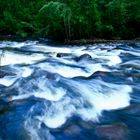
<point>64,92</point>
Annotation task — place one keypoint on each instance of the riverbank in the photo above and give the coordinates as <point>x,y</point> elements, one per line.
<point>93,41</point>
<point>68,42</point>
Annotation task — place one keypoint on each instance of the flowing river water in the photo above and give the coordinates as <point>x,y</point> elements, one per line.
<point>69,92</point>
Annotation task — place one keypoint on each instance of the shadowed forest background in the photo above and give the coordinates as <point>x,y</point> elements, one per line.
<point>71,19</point>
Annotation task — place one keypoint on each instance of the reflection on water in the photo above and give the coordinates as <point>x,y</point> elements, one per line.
<point>63,92</point>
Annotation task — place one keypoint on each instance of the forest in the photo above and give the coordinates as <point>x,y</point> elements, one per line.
<point>71,19</point>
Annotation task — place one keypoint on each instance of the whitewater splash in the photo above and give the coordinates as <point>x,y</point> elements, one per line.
<point>49,86</point>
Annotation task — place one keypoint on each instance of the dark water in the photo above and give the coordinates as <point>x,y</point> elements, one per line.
<point>58,92</point>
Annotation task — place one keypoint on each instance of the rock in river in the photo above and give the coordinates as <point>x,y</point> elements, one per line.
<point>116,131</point>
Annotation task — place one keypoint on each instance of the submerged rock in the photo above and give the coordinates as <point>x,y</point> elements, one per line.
<point>134,109</point>
<point>116,131</point>
<point>72,130</point>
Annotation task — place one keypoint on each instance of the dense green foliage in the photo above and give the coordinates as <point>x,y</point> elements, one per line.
<point>71,19</point>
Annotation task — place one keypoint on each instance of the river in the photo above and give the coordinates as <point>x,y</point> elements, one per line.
<point>69,92</point>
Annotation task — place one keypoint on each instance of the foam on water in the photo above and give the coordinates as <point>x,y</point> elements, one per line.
<point>105,93</point>
<point>7,80</point>
<point>133,53</point>
<point>4,44</point>
<point>70,72</point>
<point>62,49</point>
<point>45,91</point>
<point>55,121</point>
<point>135,64</point>
<point>58,113</point>
<point>112,58</point>
<point>10,58</point>
<point>33,127</point>
<point>48,95</point>
<point>26,72</point>
<point>22,96</point>
<point>100,96</point>
<point>53,80</point>
<point>22,72</point>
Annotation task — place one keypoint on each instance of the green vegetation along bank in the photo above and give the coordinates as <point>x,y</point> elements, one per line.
<point>71,19</point>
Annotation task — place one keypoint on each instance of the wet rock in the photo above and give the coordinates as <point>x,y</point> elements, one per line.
<point>89,125</point>
<point>99,73</point>
<point>61,54</point>
<point>84,57</point>
<point>116,131</point>
<point>72,130</point>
